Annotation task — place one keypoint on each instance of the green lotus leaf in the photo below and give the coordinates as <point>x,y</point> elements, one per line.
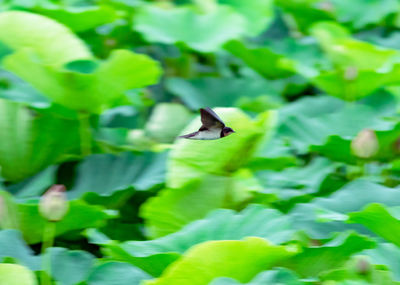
<point>224,92</point>
<point>110,273</point>
<point>90,92</point>
<point>202,263</point>
<point>105,174</point>
<point>258,14</point>
<point>326,215</point>
<point>221,224</point>
<point>304,130</point>
<point>264,61</point>
<point>36,185</point>
<point>379,220</point>
<point>12,245</point>
<point>52,42</point>
<point>386,254</point>
<point>79,217</point>
<point>312,261</point>
<point>348,52</point>
<point>14,274</point>
<point>360,15</point>
<point>304,13</point>
<point>173,208</point>
<point>32,140</point>
<point>69,267</point>
<point>203,32</point>
<point>275,276</point>
<point>79,19</point>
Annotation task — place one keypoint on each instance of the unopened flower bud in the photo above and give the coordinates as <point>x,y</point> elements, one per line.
<point>351,73</point>
<point>362,265</point>
<point>54,204</point>
<point>365,144</point>
<point>326,6</point>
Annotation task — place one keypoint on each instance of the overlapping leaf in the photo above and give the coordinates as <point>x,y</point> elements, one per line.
<point>324,216</point>
<point>205,32</point>
<point>219,225</point>
<point>52,42</point>
<point>32,140</point>
<point>104,174</point>
<point>212,259</point>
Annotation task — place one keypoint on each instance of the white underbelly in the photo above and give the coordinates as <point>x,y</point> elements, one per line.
<point>207,135</point>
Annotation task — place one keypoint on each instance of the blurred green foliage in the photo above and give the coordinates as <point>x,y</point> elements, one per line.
<point>93,94</point>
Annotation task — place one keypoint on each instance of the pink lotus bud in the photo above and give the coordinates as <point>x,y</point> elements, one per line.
<point>351,73</point>
<point>54,204</point>
<point>365,144</point>
<point>362,265</point>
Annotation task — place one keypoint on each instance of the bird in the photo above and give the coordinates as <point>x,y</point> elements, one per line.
<point>212,127</point>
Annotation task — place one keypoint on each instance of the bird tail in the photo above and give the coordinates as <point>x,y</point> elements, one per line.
<point>187,136</point>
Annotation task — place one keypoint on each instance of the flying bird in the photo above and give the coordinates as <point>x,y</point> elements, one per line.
<point>212,127</point>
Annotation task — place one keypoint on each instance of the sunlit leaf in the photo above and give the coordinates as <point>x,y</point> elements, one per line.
<point>211,259</point>
<point>379,220</point>
<point>219,225</point>
<point>258,14</point>
<point>207,31</point>
<point>263,60</point>
<point>14,274</point>
<point>345,51</point>
<point>304,13</point>
<point>79,19</point>
<point>51,41</point>
<point>173,208</point>
<point>86,91</point>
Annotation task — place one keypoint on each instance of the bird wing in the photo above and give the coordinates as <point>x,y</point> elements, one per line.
<point>210,120</point>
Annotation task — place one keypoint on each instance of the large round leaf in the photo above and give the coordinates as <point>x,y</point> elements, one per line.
<point>110,273</point>
<point>258,13</point>
<point>105,174</point>
<point>202,32</point>
<point>241,260</point>
<point>86,85</point>
<point>31,141</point>
<point>69,267</point>
<point>221,224</point>
<point>51,41</point>
<point>14,274</point>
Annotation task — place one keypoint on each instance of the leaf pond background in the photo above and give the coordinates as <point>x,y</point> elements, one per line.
<point>94,93</point>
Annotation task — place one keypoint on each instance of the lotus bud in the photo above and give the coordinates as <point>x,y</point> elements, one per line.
<point>54,204</point>
<point>362,265</point>
<point>365,144</point>
<point>326,6</point>
<point>351,73</point>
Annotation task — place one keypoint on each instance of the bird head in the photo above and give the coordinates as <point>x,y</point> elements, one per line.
<point>227,131</point>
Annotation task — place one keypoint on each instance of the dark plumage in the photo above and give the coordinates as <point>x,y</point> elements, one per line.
<point>212,127</point>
